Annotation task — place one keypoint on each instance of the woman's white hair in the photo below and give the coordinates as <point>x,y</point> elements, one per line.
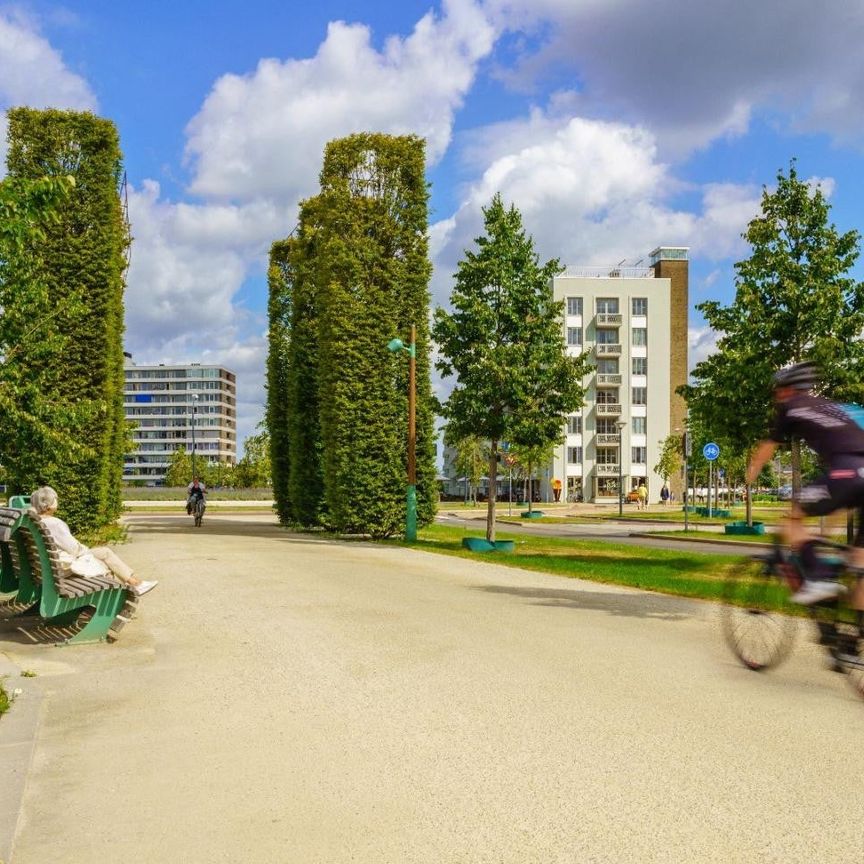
<point>43,500</point>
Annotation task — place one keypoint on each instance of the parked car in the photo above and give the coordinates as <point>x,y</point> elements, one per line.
<point>784,493</point>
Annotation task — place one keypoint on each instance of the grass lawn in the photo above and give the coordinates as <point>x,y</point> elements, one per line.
<point>686,574</point>
<point>714,537</point>
<point>5,701</point>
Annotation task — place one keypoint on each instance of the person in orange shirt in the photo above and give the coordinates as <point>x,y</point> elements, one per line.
<point>556,489</point>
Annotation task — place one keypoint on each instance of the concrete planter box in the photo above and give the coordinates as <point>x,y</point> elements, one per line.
<point>744,528</point>
<point>532,514</point>
<point>481,544</point>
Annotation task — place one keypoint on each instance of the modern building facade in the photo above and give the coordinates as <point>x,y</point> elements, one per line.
<point>172,406</point>
<point>633,323</point>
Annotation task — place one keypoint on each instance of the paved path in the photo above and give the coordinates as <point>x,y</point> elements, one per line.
<point>288,699</point>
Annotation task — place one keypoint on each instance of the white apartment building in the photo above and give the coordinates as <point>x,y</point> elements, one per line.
<point>633,324</point>
<point>173,405</point>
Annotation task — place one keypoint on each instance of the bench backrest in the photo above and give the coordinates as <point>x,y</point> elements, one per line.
<point>10,573</point>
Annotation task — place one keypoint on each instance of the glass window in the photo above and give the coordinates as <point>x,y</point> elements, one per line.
<point>640,336</point>
<point>640,305</point>
<point>607,336</point>
<point>640,396</point>
<point>607,365</point>
<point>574,336</point>
<point>607,426</point>
<point>574,455</point>
<point>607,456</point>
<point>607,304</point>
<point>574,424</point>
<point>608,397</point>
<point>574,305</point>
<point>640,365</point>
<point>639,455</point>
<point>607,486</point>
<point>640,425</point>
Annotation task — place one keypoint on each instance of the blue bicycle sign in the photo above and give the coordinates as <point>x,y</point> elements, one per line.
<point>711,451</point>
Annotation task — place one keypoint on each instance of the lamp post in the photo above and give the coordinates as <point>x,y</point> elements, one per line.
<point>621,424</point>
<point>194,398</point>
<point>396,345</point>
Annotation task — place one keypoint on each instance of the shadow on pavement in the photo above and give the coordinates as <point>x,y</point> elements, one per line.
<point>628,605</point>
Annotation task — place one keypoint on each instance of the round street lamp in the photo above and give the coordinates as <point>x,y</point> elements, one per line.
<point>621,424</point>
<point>395,346</point>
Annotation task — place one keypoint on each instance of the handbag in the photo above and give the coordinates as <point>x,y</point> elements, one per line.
<point>88,565</point>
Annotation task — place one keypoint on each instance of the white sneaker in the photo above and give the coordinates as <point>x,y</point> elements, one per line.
<point>144,587</point>
<point>813,592</point>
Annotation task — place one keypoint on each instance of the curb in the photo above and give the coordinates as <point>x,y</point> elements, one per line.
<point>18,729</point>
<point>659,535</point>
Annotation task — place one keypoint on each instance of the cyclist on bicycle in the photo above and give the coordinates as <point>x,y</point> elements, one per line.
<point>196,489</point>
<point>838,440</point>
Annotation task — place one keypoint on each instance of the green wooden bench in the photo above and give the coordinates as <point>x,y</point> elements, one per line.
<point>64,597</point>
<point>14,577</point>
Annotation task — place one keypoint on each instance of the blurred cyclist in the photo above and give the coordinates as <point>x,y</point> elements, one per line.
<point>196,489</point>
<point>831,431</point>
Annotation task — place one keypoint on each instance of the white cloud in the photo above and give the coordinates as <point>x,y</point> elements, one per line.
<point>695,71</point>
<point>702,342</point>
<point>33,73</point>
<point>590,192</point>
<point>263,134</point>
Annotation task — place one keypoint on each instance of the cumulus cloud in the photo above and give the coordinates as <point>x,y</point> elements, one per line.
<point>696,71</point>
<point>33,73</point>
<point>592,193</point>
<point>263,134</point>
<point>702,342</point>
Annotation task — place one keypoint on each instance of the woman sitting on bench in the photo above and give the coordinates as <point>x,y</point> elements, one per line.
<point>43,505</point>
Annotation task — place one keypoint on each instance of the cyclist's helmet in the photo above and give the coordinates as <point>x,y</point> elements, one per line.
<point>801,376</point>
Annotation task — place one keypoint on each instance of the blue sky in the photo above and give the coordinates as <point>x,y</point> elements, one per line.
<point>614,125</point>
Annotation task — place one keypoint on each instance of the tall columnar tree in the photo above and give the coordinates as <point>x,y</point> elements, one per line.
<point>372,274</point>
<point>80,260</point>
<point>279,344</point>
<point>794,300</point>
<point>504,343</point>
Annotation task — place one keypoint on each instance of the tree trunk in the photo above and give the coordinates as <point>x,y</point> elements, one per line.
<point>493,488</point>
<point>796,468</point>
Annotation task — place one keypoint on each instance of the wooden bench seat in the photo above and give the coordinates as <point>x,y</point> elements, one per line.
<point>14,577</point>
<point>64,597</point>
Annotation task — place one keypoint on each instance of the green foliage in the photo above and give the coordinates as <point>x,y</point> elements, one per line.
<point>5,699</point>
<point>73,265</point>
<point>354,275</point>
<point>278,413</point>
<point>179,471</point>
<point>253,470</point>
<point>503,343</point>
<point>671,457</point>
<point>472,457</point>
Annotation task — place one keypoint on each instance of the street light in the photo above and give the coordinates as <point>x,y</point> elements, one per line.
<point>194,398</point>
<point>621,424</point>
<point>397,345</point>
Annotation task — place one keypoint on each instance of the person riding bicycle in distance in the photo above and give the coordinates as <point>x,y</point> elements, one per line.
<point>829,430</point>
<point>196,489</point>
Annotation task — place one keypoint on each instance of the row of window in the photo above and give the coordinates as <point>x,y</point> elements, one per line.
<point>152,387</point>
<point>195,372</point>
<point>607,425</point>
<point>608,306</point>
<point>606,336</point>
<point>638,456</point>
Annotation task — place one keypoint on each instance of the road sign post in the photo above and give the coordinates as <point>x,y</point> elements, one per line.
<point>710,451</point>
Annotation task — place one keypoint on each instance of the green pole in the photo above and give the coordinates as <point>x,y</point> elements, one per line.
<point>411,501</point>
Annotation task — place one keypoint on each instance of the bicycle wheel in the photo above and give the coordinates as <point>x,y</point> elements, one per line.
<point>754,625</point>
<point>199,515</point>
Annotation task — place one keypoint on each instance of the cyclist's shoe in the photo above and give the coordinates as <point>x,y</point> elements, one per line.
<point>812,592</point>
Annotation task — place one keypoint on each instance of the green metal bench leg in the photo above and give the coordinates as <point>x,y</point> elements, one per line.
<point>108,604</point>
<point>65,618</point>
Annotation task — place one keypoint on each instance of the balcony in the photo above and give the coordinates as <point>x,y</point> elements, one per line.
<point>608,409</point>
<point>607,438</point>
<point>606,378</point>
<point>606,470</point>
<point>609,350</point>
<point>609,319</point>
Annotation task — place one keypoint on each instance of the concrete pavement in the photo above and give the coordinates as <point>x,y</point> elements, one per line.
<point>282,698</point>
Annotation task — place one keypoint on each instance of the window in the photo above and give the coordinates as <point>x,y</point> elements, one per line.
<point>640,305</point>
<point>640,365</point>
<point>640,396</point>
<point>607,486</point>
<point>607,426</point>
<point>574,336</point>
<point>574,305</point>
<point>640,336</point>
<point>639,455</point>
<point>607,456</point>
<point>574,455</point>
<point>607,337</point>
<point>607,304</point>
<point>574,424</point>
<point>608,397</point>
<point>640,425</point>
<point>607,365</point>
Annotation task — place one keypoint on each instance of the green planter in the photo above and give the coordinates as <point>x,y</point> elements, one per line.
<point>744,528</point>
<point>481,544</point>
<point>532,514</point>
